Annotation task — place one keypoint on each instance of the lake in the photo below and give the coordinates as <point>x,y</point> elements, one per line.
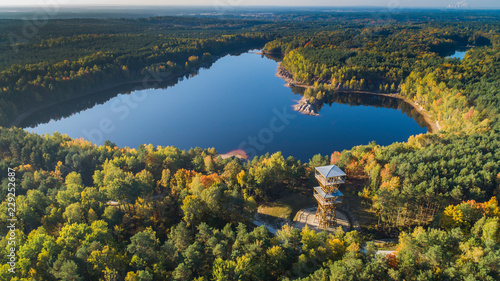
<point>458,55</point>
<point>237,103</point>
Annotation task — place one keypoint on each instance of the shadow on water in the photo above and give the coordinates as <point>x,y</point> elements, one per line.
<point>274,57</point>
<point>70,107</point>
<point>373,100</point>
<point>358,99</point>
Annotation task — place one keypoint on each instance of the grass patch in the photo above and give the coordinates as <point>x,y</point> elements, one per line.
<point>276,210</point>
<point>286,206</point>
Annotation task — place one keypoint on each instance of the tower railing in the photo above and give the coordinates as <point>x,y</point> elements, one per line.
<point>330,181</point>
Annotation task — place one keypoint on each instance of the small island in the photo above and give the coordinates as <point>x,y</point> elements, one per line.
<point>303,106</point>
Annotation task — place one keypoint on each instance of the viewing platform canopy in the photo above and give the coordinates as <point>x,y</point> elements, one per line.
<point>327,198</point>
<point>329,177</point>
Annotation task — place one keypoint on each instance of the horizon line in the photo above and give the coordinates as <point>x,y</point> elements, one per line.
<point>242,6</point>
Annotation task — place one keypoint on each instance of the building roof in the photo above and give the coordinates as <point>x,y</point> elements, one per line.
<point>330,171</point>
<point>327,195</point>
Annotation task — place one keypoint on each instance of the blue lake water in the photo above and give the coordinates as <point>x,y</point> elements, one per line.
<point>458,54</point>
<point>238,103</point>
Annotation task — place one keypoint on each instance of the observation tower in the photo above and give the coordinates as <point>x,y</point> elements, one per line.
<point>328,194</point>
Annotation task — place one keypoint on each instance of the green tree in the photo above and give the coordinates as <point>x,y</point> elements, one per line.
<point>73,213</point>
<point>67,271</point>
<point>144,248</point>
<point>318,160</point>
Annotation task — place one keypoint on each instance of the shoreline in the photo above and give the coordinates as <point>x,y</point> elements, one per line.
<point>433,126</point>
<point>238,153</point>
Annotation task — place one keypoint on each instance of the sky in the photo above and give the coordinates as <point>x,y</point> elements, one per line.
<point>337,3</point>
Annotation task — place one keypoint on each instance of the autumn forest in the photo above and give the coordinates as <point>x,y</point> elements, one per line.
<point>89,212</point>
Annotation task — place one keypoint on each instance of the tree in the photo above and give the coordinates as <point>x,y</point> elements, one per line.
<point>180,236</point>
<point>193,210</point>
<point>144,248</point>
<point>193,258</point>
<point>165,178</point>
<point>145,182</point>
<point>31,208</point>
<point>140,275</point>
<point>68,271</point>
<point>74,187</point>
<point>231,171</point>
<point>318,161</point>
<point>224,270</point>
<point>210,166</point>
<point>289,237</point>
<point>73,213</point>
<point>36,254</point>
<point>277,261</point>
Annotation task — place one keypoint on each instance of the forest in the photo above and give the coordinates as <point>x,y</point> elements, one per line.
<point>47,69</point>
<point>87,212</point>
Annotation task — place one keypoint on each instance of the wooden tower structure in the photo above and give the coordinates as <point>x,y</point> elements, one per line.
<point>328,194</point>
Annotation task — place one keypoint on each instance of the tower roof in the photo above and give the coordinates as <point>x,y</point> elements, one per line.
<point>330,171</point>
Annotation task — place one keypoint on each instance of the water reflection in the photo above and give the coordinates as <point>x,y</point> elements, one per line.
<point>72,106</point>
<point>227,106</point>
